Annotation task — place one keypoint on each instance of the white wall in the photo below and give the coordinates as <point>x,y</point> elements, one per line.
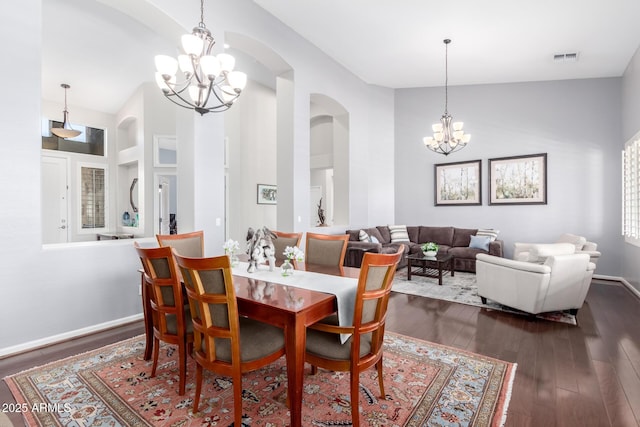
<point>576,122</point>
<point>59,291</point>
<point>251,128</point>
<point>630,126</point>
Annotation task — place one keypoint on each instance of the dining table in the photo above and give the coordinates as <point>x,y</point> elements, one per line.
<point>281,303</point>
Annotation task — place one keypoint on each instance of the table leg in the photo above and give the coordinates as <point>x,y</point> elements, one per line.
<point>451,266</point>
<point>295,343</point>
<point>408,268</point>
<point>148,321</point>
<point>440,274</point>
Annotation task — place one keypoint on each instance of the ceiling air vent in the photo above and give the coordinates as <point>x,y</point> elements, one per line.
<point>565,57</point>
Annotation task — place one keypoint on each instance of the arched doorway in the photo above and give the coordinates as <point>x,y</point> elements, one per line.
<point>329,161</point>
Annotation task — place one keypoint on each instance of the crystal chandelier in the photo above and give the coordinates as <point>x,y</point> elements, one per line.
<point>66,131</point>
<point>447,137</point>
<point>210,84</point>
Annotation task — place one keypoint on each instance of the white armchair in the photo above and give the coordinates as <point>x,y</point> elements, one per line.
<point>582,246</point>
<point>558,280</point>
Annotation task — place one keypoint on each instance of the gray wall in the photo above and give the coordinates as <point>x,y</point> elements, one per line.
<point>576,122</point>
<point>630,126</point>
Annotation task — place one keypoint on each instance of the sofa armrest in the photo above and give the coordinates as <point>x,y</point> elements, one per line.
<point>356,250</point>
<point>521,251</point>
<point>496,248</point>
<point>364,246</point>
<point>513,264</point>
<point>593,255</point>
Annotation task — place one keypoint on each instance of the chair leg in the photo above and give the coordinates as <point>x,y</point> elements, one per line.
<point>380,380</point>
<point>156,352</point>
<point>237,399</point>
<point>314,369</point>
<point>196,399</point>
<point>182,360</point>
<point>355,398</point>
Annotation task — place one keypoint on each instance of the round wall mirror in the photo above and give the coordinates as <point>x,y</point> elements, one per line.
<point>133,195</point>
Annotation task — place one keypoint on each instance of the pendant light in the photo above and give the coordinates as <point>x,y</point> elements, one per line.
<point>66,131</point>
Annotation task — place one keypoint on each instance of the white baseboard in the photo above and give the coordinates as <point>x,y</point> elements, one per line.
<point>622,280</point>
<point>32,345</point>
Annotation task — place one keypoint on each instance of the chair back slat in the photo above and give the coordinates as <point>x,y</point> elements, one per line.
<point>374,288</point>
<point>326,249</point>
<point>185,244</point>
<point>212,300</point>
<point>283,240</point>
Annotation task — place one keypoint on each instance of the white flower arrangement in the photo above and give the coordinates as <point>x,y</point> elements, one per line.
<point>293,253</point>
<point>231,247</point>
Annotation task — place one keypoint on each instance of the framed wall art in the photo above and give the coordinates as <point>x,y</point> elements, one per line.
<point>519,180</point>
<point>458,183</point>
<point>267,194</point>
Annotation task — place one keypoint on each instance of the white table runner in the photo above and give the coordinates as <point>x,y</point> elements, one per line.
<point>344,288</point>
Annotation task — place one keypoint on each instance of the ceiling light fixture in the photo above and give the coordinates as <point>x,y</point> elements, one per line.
<point>210,84</point>
<point>447,137</point>
<point>66,131</point>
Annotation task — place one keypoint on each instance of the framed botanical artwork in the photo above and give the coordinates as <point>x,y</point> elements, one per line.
<point>520,180</point>
<point>458,183</point>
<point>267,194</point>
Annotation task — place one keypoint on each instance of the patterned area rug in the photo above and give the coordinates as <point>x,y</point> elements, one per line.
<point>462,288</point>
<point>426,384</point>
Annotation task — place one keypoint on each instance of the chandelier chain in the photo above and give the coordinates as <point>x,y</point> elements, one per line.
<point>446,75</point>
<point>202,12</point>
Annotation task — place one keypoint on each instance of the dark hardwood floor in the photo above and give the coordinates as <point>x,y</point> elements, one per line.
<point>585,375</point>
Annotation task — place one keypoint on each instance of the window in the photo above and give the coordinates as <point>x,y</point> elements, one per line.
<point>631,190</point>
<point>93,197</point>
<point>90,140</point>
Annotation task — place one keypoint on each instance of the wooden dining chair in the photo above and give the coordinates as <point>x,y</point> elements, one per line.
<point>186,244</point>
<point>284,240</point>
<point>326,249</point>
<point>171,317</point>
<point>225,342</point>
<point>364,348</point>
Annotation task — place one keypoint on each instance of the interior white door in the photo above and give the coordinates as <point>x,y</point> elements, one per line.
<point>164,197</point>
<point>55,224</point>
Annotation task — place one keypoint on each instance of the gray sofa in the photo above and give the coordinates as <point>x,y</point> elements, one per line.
<point>450,239</point>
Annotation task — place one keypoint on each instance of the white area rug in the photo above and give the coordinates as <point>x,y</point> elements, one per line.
<point>461,288</point>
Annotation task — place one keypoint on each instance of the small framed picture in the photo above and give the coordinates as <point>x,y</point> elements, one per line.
<point>267,194</point>
<point>519,180</point>
<point>458,183</point>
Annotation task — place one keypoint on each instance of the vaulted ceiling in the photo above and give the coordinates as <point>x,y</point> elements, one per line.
<point>399,44</point>
<point>396,44</point>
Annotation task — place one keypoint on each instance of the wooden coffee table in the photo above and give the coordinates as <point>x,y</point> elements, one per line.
<point>436,266</point>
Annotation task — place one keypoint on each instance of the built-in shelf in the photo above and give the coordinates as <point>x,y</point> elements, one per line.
<point>127,133</point>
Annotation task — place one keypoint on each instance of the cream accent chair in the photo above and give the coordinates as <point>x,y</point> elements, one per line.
<point>554,279</point>
<point>582,246</point>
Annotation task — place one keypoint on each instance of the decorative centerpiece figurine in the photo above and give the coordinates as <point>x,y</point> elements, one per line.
<point>292,253</point>
<point>231,247</point>
<point>260,248</point>
<point>430,249</point>
<point>321,217</point>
